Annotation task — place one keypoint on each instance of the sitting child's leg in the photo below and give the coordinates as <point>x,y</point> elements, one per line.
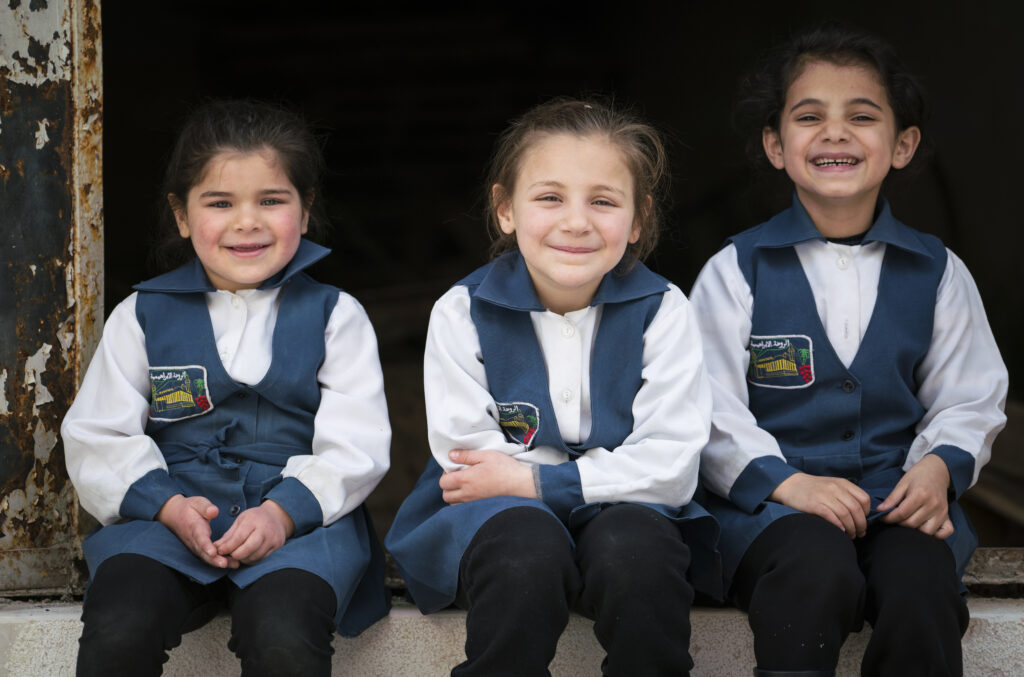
<point>913,603</point>
<point>634,564</point>
<point>283,624</point>
<point>136,609</point>
<point>803,591</point>
<point>518,580</point>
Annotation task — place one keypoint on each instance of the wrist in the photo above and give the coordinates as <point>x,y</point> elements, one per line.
<point>280,515</point>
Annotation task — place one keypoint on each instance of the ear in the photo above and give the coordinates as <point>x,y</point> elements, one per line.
<point>643,217</point>
<point>907,142</point>
<point>502,205</point>
<point>180,215</point>
<point>772,143</point>
<point>307,205</point>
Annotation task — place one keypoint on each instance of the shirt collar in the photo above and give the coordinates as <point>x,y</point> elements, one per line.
<point>192,278</point>
<point>794,226</point>
<point>508,284</point>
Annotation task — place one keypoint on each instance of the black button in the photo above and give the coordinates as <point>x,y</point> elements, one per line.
<point>234,510</point>
<point>242,395</point>
<point>849,386</point>
<point>848,435</point>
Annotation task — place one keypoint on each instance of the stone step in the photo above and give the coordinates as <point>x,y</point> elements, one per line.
<point>40,640</point>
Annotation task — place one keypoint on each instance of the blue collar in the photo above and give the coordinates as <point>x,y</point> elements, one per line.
<point>507,284</point>
<point>192,278</point>
<point>794,226</point>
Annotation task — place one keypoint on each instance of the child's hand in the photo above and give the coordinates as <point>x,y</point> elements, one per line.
<point>490,473</point>
<point>839,501</point>
<point>919,499</point>
<point>256,533</point>
<point>189,520</point>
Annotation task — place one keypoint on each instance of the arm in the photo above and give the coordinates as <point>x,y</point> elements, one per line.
<point>117,470</point>
<point>658,462</point>
<point>352,435</point>
<point>743,462</point>
<point>963,389</point>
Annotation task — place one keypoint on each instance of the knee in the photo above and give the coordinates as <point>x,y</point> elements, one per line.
<point>525,543</point>
<point>818,563</point>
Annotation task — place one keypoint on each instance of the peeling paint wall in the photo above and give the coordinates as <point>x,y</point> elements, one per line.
<point>51,261</point>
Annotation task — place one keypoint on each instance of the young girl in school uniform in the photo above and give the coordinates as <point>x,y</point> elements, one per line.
<point>231,423</point>
<point>567,405</point>
<point>857,385</point>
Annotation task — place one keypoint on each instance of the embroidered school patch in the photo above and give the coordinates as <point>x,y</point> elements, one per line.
<point>178,392</point>
<point>781,361</point>
<point>519,420</point>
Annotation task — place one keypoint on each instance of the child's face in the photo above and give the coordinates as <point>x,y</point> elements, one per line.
<point>245,219</point>
<point>837,136</point>
<point>573,215</point>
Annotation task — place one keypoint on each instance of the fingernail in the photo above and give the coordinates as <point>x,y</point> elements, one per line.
<point>454,455</point>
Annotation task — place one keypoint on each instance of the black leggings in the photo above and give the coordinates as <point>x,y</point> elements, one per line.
<point>806,586</point>
<point>519,578</point>
<point>136,609</point>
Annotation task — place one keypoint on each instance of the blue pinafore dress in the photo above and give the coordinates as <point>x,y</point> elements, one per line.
<point>857,422</point>
<point>229,442</point>
<point>429,537</point>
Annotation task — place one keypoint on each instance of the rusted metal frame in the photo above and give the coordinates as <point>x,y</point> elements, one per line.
<point>51,194</point>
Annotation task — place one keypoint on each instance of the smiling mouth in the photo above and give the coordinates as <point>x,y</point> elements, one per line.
<point>835,162</point>
<point>574,250</point>
<point>247,250</point>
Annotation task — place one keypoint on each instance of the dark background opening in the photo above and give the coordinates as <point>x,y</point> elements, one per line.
<point>411,100</point>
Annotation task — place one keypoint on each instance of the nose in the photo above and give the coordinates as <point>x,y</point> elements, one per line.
<point>576,220</point>
<point>247,220</point>
<point>835,130</point>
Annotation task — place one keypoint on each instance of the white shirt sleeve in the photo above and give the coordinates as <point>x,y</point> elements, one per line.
<point>105,445</point>
<point>963,380</point>
<point>461,414</point>
<point>352,436</point>
<point>724,307</point>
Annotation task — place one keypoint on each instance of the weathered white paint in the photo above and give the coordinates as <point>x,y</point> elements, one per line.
<point>35,366</point>
<point>42,138</point>
<point>4,408</point>
<point>48,26</point>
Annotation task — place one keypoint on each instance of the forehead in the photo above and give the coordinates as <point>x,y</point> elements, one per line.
<point>244,167</point>
<point>563,157</point>
<point>818,79</point>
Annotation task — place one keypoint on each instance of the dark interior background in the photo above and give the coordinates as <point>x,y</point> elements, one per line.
<point>411,99</point>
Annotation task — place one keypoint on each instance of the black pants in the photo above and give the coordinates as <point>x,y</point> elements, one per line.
<point>806,586</point>
<point>519,579</point>
<point>137,609</point>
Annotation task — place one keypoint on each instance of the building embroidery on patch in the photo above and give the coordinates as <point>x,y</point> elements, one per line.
<point>178,393</point>
<point>781,361</point>
<point>519,420</point>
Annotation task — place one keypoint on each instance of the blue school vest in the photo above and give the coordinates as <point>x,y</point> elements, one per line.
<point>858,422</point>
<point>428,537</point>
<point>229,441</point>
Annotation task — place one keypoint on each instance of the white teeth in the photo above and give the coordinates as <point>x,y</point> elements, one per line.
<point>823,162</point>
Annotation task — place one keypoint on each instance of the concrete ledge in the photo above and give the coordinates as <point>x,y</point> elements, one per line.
<point>38,639</point>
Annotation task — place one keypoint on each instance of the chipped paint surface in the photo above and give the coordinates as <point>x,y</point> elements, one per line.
<point>35,41</point>
<point>51,262</point>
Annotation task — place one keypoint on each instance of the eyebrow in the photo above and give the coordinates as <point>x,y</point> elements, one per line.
<point>861,100</point>
<point>223,193</point>
<point>558,184</point>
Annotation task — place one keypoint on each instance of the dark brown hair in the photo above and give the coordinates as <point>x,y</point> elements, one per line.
<point>762,93</point>
<point>641,147</point>
<point>243,126</point>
